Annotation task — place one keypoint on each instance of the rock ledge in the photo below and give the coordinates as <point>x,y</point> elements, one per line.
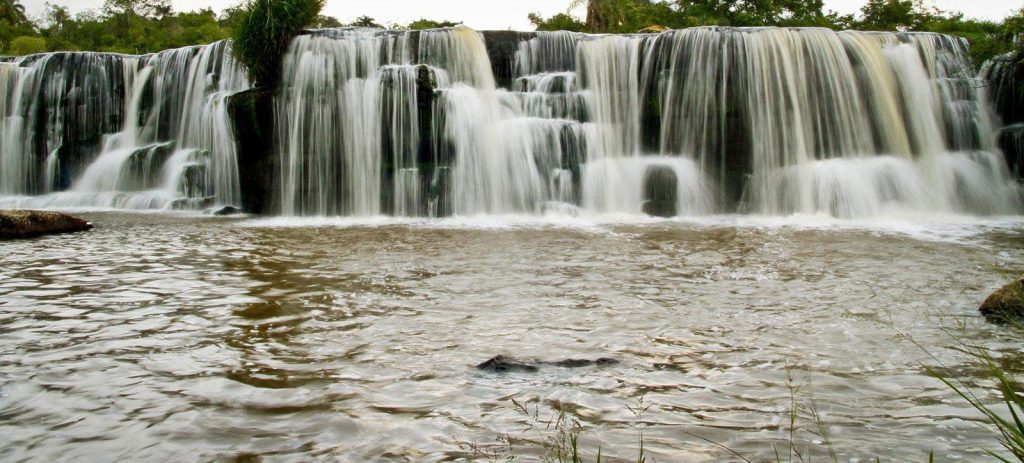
<point>1006,304</point>
<point>28,224</point>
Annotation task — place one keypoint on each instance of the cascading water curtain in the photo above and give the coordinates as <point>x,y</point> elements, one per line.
<point>692,122</point>
<point>104,130</point>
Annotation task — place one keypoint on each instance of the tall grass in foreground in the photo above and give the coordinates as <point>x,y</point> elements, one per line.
<point>1011,429</point>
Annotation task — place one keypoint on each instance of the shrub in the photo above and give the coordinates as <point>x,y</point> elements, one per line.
<point>265,28</point>
<point>27,45</point>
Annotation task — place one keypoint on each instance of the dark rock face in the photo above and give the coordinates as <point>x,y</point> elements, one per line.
<point>501,48</point>
<point>1011,141</point>
<point>252,115</point>
<point>1006,304</point>
<point>1005,76</point>
<point>28,224</point>
<point>503,364</point>
<point>660,191</point>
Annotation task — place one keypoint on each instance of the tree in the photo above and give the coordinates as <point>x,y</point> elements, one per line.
<point>365,21</point>
<point>896,15</point>
<point>421,24</point>
<point>27,46</point>
<point>144,8</point>
<point>12,12</point>
<point>326,22</point>
<point>602,15</point>
<point>558,22</point>
<point>265,28</point>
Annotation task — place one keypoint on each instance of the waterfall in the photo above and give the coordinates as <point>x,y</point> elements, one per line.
<point>105,130</point>
<point>368,122</point>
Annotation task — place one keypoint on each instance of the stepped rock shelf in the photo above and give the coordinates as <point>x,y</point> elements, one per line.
<point>454,121</point>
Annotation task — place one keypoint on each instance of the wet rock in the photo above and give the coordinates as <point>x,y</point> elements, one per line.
<point>580,363</point>
<point>227,210</point>
<point>660,191</point>
<point>502,364</point>
<point>1011,141</point>
<point>1006,304</point>
<point>1005,77</point>
<point>27,224</point>
<point>501,48</point>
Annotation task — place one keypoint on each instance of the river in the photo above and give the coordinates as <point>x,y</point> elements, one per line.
<point>181,337</point>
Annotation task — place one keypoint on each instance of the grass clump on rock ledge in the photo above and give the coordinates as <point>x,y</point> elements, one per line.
<point>265,28</point>
<point>28,224</point>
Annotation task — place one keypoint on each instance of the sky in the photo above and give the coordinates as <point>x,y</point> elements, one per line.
<point>491,14</point>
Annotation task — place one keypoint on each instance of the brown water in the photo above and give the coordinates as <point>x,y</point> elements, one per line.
<point>177,338</point>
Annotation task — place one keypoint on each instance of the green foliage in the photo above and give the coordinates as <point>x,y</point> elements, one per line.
<point>326,22</point>
<point>624,16</point>
<point>264,30</point>
<point>365,21</point>
<point>987,38</point>
<point>421,24</point>
<point>27,45</point>
<point>12,12</point>
<point>13,23</point>
<point>558,22</point>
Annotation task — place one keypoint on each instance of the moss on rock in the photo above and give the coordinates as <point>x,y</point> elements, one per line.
<point>1006,304</point>
<point>28,224</point>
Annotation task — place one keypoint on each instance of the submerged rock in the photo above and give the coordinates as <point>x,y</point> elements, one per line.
<point>1006,304</point>
<point>28,224</point>
<point>502,364</point>
<point>661,187</point>
<point>227,210</point>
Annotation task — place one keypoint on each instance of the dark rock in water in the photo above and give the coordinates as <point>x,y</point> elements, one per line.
<point>228,210</point>
<point>28,224</point>
<point>501,364</point>
<point>660,191</point>
<point>579,363</point>
<point>1006,304</point>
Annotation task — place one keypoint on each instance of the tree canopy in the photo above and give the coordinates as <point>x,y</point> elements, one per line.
<point>624,16</point>
<point>145,26</point>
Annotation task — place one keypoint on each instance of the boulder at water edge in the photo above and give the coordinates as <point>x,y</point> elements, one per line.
<point>1006,304</point>
<point>27,224</point>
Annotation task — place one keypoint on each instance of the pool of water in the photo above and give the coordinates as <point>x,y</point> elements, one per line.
<point>189,338</point>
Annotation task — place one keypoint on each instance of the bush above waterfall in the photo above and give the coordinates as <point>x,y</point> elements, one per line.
<point>264,30</point>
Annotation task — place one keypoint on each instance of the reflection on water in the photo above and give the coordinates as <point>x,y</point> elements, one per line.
<point>161,337</point>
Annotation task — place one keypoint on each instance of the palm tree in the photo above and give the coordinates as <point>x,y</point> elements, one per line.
<point>602,15</point>
<point>12,12</point>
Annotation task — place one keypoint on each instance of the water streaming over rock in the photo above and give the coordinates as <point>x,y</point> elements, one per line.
<point>767,120</point>
<point>453,121</point>
<point>107,130</point>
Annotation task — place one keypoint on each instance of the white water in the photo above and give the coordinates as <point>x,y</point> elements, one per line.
<point>175,146</point>
<point>769,121</point>
<point>369,122</point>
